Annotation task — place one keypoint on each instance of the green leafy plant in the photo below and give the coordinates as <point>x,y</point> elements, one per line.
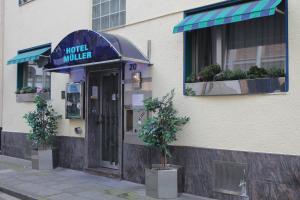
<point>26,90</point>
<point>189,92</point>
<point>208,73</point>
<point>160,129</point>
<point>191,78</point>
<point>275,72</point>
<point>236,74</point>
<point>256,72</point>
<point>17,91</point>
<point>43,122</point>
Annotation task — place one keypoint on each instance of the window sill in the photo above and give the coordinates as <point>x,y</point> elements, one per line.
<point>236,87</point>
<point>29,97</point>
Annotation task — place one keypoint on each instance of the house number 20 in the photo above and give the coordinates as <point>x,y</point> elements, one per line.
<point>132,67</point>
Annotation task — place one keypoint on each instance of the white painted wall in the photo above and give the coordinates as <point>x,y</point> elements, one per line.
<point>1,56</point>
<point>259,123</point>
<point>39,22</point>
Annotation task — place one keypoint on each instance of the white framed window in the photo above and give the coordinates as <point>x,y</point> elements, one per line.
<point>108,14</point>
<point>259,42</point>
<point>35,77</point>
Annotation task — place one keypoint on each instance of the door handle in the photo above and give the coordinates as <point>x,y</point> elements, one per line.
<point>100,119</point>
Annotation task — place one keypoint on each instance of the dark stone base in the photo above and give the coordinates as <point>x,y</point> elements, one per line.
<point>68,151</point>
<point>15,145</point>
<point>269,176</point>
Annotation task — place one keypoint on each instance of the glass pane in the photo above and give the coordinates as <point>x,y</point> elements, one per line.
<point>96,11</point>
<point>73,101</point>
<point>96,2</point>
<point>123,18</point>
<point>242,58</point>
<point>114,6</point>
<point>47,81</point>
<point>273,56</point>
<point>33,76</point>
<point>96,24</point>
<point>104,22</point>
<point>105,8</point>
<point>114,20</point>
<point>122,5</point>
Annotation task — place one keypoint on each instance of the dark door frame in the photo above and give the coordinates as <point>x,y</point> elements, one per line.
<point>118,66</point>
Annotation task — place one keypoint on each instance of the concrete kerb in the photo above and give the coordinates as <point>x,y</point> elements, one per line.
<point>16,194</point>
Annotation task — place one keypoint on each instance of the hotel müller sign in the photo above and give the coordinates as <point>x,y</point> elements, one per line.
<point>79,52</point>
<point>82,47</point>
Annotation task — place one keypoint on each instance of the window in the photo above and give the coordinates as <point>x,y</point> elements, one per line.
<point>34,76</point>
<point>259,42</point>
<point>31,76</point>
<point>244,57</point>
<point>22,2</point>
<point>108,14</point>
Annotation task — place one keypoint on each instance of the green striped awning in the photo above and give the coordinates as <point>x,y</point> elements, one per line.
<point>236,13</point>
<point>28,56</point>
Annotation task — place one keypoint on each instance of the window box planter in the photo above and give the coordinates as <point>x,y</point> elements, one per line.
<point>236,87</point>
<point>29,97</point>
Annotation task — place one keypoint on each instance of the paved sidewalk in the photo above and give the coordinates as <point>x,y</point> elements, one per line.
<point>63,184</point>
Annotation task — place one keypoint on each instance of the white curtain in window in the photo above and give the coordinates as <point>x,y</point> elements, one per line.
<point>258,42</point>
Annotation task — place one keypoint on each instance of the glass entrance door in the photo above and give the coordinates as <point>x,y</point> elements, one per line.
<point>109,119</point>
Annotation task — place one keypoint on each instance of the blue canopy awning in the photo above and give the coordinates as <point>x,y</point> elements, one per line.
<point>236,13</point>
<point>28,56</point>
<point>85,47</point>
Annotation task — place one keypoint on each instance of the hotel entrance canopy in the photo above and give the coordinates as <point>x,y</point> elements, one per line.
<point>85,47</point>
<point>227,15</point>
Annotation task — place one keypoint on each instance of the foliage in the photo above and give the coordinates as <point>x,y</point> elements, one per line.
<point>191,78</point>
<point>208,73</point>
<point>276,72</point>
<point>43,122</point>
<point>189,92</point>
<point>30,90</point>
<point>236,74</point>
<point>161,128</point>
<point>256,72</point>
<point>214,73</point>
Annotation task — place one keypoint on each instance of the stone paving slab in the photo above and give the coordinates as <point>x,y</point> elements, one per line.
<point>17,176</point>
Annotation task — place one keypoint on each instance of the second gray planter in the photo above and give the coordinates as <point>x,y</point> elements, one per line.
<point>162,183</point>
<point>42,159</point>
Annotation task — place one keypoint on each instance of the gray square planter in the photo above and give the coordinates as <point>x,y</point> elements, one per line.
<point>162,183</point>
<point>42,159</point>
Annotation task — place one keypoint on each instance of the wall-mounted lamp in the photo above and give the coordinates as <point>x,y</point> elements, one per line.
<point>137,80</point>
<point>78,130</point>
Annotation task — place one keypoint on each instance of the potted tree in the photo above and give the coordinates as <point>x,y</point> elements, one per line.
<point>43,122</point>
<point>160,131</point>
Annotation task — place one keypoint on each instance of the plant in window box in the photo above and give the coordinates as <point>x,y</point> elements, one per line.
<point>27,94</point>
<point>237,81</point>
<point>208,73</point>
<point>159,131</point>
<point>261,80</point>
<point>43,122</point>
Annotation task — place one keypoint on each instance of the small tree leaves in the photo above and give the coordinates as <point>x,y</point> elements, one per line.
<point>43,122</point>
<point>161,128</point>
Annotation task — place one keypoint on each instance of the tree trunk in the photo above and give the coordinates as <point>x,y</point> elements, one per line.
<point>163,158</point>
